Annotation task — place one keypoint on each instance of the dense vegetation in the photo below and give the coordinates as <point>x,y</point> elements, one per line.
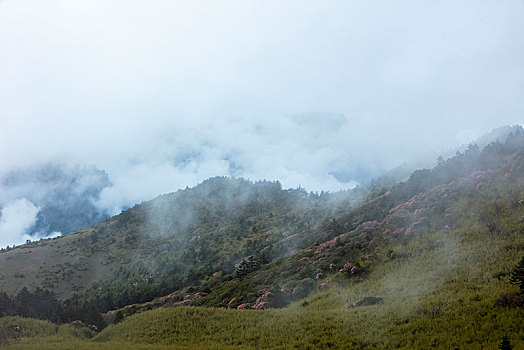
<point>43,305</point>
<point>433,261</point>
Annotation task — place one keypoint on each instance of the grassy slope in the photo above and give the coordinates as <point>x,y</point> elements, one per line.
<point>436,296</point>
<point>56,264</point>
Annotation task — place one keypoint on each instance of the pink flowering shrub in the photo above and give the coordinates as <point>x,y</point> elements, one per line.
<point>263,300</point>
<point>369,225</point>
<point>259,305</point>
<point>326,245</point>
<point>231,304</point>
<point>187,298</point>
<point>347,267</point>
<point>399,231</point>
<point>405,205</point>
<point>183,302</point>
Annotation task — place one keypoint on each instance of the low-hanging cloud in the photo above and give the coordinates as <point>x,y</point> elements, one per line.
<point>64,195</point>
<point>16,219</point>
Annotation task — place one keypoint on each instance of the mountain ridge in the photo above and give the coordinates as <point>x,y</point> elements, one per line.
<point>231,243</point>
<point>437,246</point>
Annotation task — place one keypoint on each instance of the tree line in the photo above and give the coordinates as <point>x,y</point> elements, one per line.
<point>43,304</point>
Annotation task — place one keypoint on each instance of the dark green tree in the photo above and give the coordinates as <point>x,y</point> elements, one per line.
<point>248,265</point>
<point>517,276</point>
<point>6,305</point>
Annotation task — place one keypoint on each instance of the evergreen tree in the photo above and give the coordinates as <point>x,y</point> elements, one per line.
<point>517,276</point>
<point>6,305</point>
<point>247,266</point>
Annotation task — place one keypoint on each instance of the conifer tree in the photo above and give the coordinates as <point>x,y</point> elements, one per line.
<point>247,266</point>
<point>517,276</point>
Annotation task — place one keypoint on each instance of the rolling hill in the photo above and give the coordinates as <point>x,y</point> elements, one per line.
<point>425,262</point>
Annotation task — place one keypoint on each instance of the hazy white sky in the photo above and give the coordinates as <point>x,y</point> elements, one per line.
<point>163,94</point>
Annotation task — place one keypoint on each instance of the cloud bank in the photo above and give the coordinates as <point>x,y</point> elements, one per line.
<point>16,220</point>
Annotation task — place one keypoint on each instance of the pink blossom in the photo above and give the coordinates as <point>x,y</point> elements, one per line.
<point>265,293</point>
<point>369,225</point>
<point>399,231</point>
<point>354,270</point>
<point>230,304</point>
<point>394,209</point>
<point>323,285</point>
<point>242,306</point>
<point>183,302</point>
<point>328,244</point>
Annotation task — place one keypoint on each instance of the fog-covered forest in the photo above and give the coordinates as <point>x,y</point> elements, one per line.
<point>261,175</point>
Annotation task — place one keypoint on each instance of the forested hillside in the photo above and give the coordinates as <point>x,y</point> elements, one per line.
<point>439,250</point>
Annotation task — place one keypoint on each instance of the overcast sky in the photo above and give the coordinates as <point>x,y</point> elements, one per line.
<point>323,94</point>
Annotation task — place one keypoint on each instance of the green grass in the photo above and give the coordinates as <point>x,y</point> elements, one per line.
<point>438,296</point>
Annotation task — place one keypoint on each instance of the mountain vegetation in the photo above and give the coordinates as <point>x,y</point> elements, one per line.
<point>433,261</point>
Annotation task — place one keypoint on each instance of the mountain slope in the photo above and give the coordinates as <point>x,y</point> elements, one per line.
<point>183,236</point>
<point>449,231</point>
